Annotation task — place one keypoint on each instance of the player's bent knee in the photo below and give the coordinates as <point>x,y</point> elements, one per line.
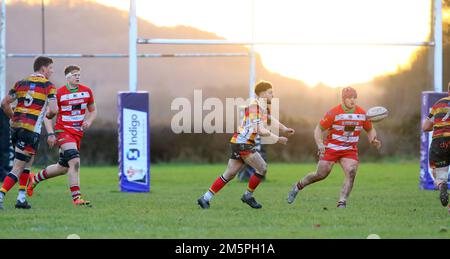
<point>352,173</point>
<point>62,162</point>
<point>63,169</point>
<point>66,158</point>
<point>71,154</point>
<point>74,164</point>
<point>74,161</point>
<point>262,169</point>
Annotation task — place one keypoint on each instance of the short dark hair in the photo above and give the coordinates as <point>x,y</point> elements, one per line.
<point>71,68</point>
<point>40,62</point>
<point>262,86</point>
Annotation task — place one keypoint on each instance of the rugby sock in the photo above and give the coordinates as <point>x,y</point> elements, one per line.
<point>41,176</point>
<point>441,175</point>
<point>218,184</point>
<point>23,180</point>
<point>75,190</point>
<point>208,195</point>
<point>8,183</point>
<point>299,186</point>
<point>254,181</point>
<point>22,196</point>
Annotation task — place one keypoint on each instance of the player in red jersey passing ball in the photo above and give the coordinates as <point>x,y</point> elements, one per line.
<point>344,124</point>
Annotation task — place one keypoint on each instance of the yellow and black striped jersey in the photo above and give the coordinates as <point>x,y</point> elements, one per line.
<point>32,94</point>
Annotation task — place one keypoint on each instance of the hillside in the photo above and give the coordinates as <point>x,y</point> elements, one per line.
<point>164,78</point>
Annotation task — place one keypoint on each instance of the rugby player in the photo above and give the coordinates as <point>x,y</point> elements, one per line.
<point>438,121</point>
<point>257,115</point>
<point>74,99</point>
<point>36,98</point>
<point>344,124</point>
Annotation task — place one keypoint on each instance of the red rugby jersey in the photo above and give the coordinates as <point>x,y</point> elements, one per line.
<point>72,105</point>
<point>344,127</point>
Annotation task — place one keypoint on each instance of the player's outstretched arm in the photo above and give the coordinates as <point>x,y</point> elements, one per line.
<point>372,135</point>
<point>264,132</point>
<point>285,130</point>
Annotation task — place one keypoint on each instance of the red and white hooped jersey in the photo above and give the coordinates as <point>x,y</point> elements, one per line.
<point>72,104</point>
<point>344,127</point>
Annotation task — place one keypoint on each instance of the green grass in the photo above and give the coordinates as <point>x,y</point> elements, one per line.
<point>385,201</point>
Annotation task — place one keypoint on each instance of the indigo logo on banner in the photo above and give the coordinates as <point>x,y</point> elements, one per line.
<point>133,129</point>
<point>135,148</point>
<point>133,154</point>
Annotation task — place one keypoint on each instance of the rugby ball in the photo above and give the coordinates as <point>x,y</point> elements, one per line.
<point>377,113</point>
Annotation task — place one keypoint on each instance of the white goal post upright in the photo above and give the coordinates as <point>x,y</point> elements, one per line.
<point>426,178</point>
<point>438,51</point>
<point>3,51</point>
<point>133,122</point>
<point>132,45</point>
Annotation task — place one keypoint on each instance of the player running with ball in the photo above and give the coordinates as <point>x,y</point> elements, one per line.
<point>257,115</point>
<point>344,124</point>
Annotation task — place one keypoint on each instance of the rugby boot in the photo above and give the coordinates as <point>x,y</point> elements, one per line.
<point>443,194</point>
<point>30,185</point>
<point>81,202</point>
<point>342,204</point>
<point>292,194</point>
<point>251,202</point>
<point>23,205</point>
<point>204,204</point>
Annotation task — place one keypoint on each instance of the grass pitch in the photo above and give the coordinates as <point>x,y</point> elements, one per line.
<point>385,201</point>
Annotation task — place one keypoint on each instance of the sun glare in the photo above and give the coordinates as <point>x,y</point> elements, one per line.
<point>405,21</point>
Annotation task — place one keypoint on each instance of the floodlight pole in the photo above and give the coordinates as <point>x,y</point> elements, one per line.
<point>132,35</point>
<point>3,51</point>
<point>438,52</point>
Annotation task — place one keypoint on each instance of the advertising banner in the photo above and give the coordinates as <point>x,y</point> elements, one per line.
<point>134,142</point>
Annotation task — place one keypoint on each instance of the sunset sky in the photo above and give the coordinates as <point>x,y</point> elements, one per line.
<point>306,20</point>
